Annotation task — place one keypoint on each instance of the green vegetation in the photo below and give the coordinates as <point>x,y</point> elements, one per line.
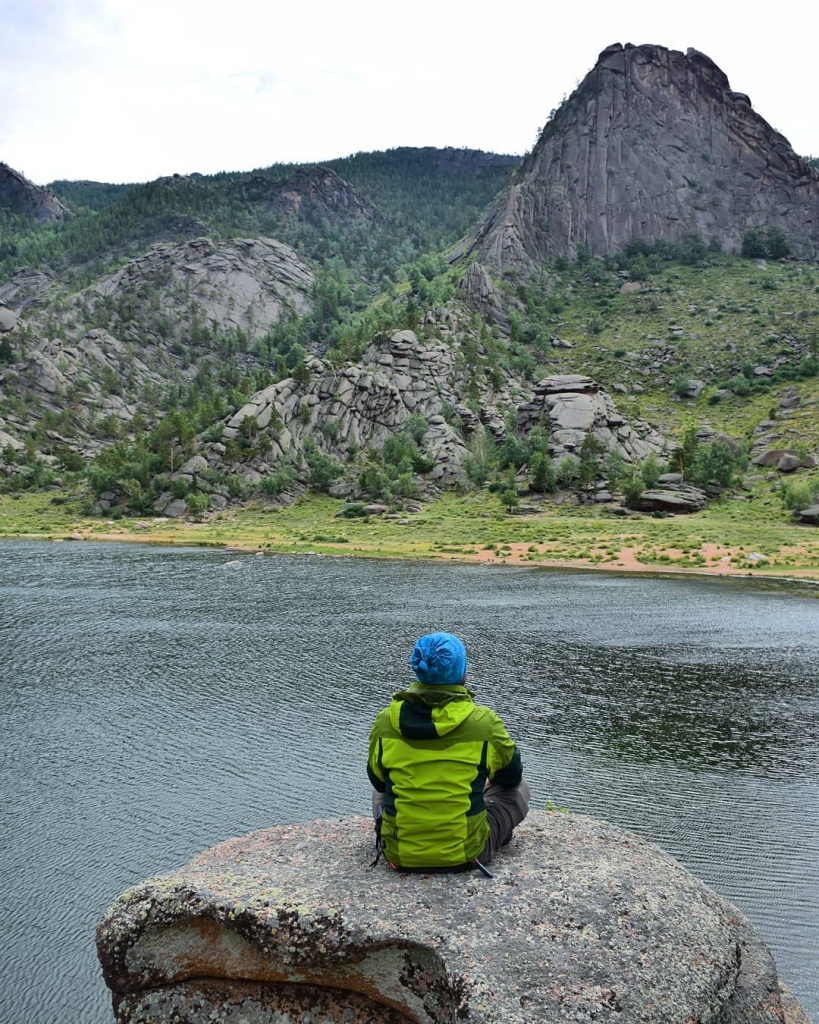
<point>718,352</point>
<point>756,539</point>
<point>424,199</point>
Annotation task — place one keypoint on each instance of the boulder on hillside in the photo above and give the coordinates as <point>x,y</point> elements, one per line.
<point>680,499</point>
<point>8,319</point>
<point>581,921</point>
<point>788,463</point>
<point>773,456</point>
<point>810,516</point>
<point>572,405</point>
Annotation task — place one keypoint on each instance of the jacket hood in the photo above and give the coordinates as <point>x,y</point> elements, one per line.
<point>424,712</point>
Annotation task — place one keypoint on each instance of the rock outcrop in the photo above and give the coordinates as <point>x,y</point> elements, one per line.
<point>361,404</point>
<point>652,144</point>
<point>246,284</point>
<point>156,319</point>
<point>581,921</point>
<point>313,194</point>
<point>571,406</point>
<point>21,196</point>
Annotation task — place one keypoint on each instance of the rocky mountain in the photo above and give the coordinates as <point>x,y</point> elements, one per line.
<point>653,144</point>
<point>114,348</point>
<point>21,196</point>
<point>214,339</point>
<point>313,194</point>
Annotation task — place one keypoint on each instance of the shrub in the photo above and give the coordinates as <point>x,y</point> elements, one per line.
<point>323,467</point>
<point>799,494</point>
<point>650,471</point>
<point>278,482</point>
<point>568,471</point>
<point>633,488</point>
<point>197,503</point>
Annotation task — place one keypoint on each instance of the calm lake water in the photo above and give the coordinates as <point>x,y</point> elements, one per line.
<point>156,701</point>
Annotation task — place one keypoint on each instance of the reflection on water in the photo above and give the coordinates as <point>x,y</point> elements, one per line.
<point>157,701</point>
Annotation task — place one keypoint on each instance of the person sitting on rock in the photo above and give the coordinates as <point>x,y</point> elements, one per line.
<point>447,778</point>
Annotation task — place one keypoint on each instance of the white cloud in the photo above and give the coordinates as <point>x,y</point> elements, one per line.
<point>121,90</point>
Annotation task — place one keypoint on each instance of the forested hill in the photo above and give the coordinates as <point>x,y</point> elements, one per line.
<point>423,199</point>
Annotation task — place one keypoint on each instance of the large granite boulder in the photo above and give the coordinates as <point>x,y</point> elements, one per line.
<point>682,498</point>
<point>582,921</point>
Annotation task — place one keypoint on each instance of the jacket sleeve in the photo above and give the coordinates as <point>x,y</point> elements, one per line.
<point>505,765</point>
<point>375,770</point>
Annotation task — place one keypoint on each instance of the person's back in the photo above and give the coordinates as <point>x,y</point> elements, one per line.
<point>432,753</point>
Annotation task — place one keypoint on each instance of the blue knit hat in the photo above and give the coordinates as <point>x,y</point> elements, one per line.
<point>439,659</point>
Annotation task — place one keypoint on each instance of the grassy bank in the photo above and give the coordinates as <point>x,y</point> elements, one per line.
<point>752,536</point>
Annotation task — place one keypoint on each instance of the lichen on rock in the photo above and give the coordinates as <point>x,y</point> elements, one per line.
<point>582,921</point>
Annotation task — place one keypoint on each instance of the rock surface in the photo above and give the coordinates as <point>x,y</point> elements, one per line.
<point>362,404</point>
<point>652,144</point>
<point>572,405</point>
<point>680,498</point>
<point>22,196</point>
<point>581,922</point>
<point>312,194</point>
<point>246,284</point>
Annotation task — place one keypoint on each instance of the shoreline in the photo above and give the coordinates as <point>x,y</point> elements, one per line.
<point>513,560</point>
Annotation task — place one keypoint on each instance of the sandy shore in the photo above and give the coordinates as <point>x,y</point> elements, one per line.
<point>720,561</point>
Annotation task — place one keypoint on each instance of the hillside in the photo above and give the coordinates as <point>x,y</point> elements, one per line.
<point>382,327</point>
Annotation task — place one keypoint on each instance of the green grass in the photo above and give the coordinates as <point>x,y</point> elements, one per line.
<point>465,529</point>
<point>727,318</point>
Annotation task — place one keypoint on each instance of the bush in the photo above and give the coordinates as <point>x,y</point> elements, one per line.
<point>542,473</point>
<point>759,243</point>
<point>799,494</point>
<point>633,488</point>
<point>197,503</point>
<point>650,472</point>
<point>323,467</point>
<point>568,471</point>
<point>277,483</point>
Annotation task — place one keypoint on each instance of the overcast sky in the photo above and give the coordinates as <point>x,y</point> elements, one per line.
<point>128,90</point>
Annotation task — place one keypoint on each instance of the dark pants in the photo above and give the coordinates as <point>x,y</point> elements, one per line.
<point>505,808</point>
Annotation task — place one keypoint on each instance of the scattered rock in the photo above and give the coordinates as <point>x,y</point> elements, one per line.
<point>788,463</point>
<point>808,515</point>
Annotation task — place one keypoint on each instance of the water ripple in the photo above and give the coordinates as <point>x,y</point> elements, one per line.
<point>158,701</point>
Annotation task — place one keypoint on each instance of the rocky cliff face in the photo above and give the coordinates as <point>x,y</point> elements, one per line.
<point>19,195</point>
<point>360,405</point>
<point>246,284</point>
<point>653,144</point>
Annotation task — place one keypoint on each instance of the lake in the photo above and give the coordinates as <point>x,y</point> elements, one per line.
<point>156,701</point>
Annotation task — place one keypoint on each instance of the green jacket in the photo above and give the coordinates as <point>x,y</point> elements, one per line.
<point>431,751</point>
